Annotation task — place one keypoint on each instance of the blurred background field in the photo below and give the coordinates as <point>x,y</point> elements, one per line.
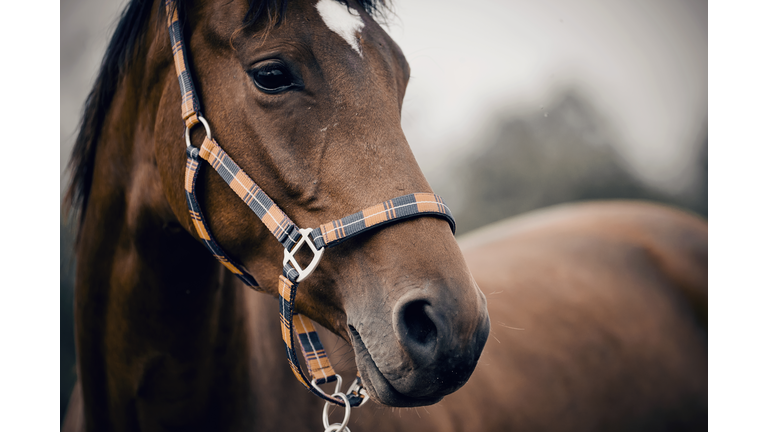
<point>512,105</point>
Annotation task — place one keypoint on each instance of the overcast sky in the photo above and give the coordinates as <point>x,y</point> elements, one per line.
<point>643,64</point>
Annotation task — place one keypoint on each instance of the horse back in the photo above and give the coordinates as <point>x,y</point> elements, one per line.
<point>598,315</point>
<point>675,241</point>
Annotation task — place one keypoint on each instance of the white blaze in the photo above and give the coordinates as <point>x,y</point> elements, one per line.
<point>342,21</point>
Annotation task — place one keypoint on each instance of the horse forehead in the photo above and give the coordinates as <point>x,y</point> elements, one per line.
<point>342,20</point>
<point>307,21</point>
<point>336,26</point>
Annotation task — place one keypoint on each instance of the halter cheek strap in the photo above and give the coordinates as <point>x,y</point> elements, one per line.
<point>285,231</point>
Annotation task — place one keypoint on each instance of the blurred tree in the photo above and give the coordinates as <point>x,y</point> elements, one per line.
<point>528,162</point>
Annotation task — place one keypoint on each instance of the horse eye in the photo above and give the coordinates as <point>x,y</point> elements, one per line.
<point>274,78</point>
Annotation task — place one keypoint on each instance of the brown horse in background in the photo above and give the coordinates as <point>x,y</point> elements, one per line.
<point>598,311</point>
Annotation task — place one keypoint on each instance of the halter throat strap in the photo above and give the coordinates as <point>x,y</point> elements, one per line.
<point>283,228</point>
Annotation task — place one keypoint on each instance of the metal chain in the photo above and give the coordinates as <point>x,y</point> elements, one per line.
<point>337,427</point>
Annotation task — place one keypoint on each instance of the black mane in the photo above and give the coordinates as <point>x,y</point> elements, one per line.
<point>118,58</point>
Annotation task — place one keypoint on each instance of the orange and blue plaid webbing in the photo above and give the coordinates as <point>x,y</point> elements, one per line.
<point>318,365</point>
<point>190,107</point>
<point>396,209</point>
<point>190,183</point>
<point>280,225</point>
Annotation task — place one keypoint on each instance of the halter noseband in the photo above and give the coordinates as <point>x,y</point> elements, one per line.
<point>282,227</point>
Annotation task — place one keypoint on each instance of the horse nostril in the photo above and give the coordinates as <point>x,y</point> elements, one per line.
<point>419,326</point>
<point>440,343</point>
<point>417,329</point>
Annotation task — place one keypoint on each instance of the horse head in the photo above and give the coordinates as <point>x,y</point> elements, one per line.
<point>307,101</point>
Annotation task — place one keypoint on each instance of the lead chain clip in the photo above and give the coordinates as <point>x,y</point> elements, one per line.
<point>336,427</point>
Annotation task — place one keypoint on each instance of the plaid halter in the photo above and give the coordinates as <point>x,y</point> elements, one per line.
<point>283,228</point>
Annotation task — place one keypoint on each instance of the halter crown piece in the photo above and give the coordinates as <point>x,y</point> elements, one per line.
<point>287,233</point>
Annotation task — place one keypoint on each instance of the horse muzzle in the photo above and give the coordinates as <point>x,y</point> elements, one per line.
<point>432,350</point>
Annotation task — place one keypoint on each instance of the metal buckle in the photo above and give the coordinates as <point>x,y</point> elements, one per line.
<point>205,125</point>
<point>289,255</point>
<point>357,389</point>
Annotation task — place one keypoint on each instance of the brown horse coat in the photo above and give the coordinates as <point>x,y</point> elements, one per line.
<point>168,339</point>
<point>598,316</point>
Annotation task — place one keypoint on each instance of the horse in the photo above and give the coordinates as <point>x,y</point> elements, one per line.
<point>597,310</point>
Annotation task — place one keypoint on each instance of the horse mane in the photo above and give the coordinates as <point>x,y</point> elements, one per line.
<point>119,56</point>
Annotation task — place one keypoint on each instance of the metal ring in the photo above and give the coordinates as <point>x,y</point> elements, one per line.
<point>207,130</point>
<point>336,427</point>
<point>347,412</point>
<point>357,387</point>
